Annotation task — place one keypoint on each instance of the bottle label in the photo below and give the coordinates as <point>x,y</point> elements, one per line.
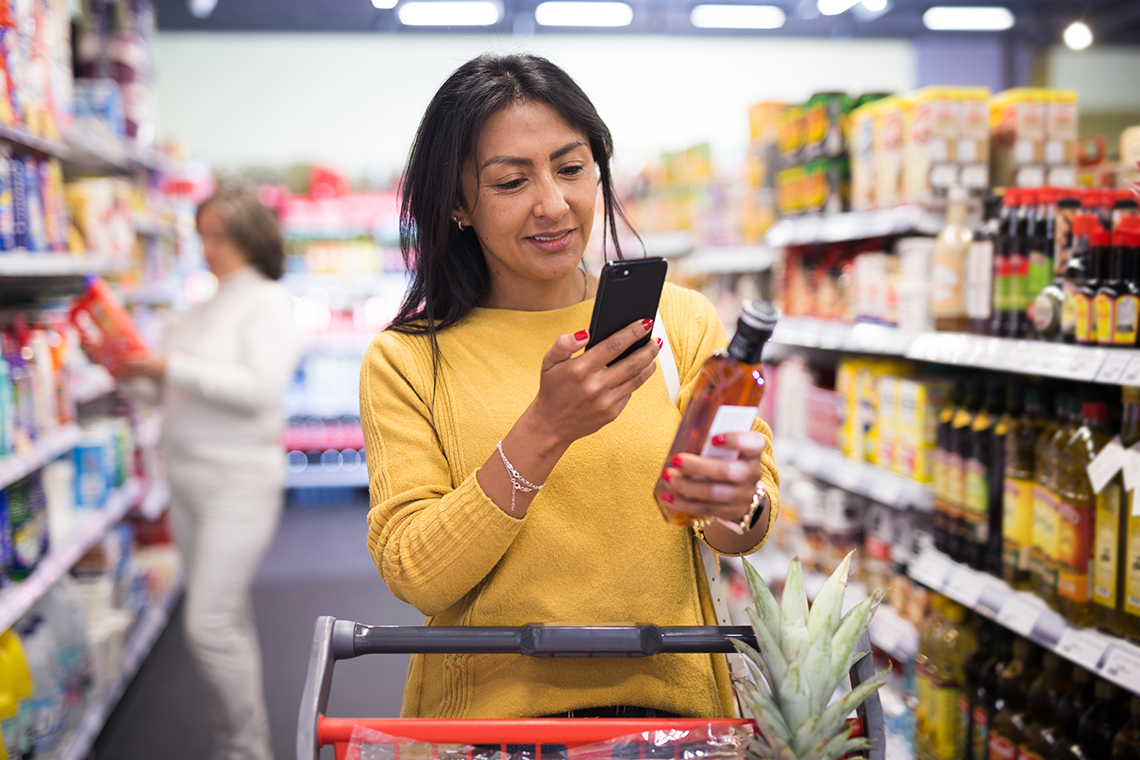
<point>1024,753</point>
<point>979,732</point>
<point>728,419</point>
<point>1044,547</point>
<point>946,721</point>
<point>1069,309</point>
<point>1104,318</point>
<point>1074,549</point>
<point>1106,546</point>
<point>1001,748</point>
<point>1132,559</point>
<point>1084,314</point>
<point>979,279</point>
<point>1017,523</point>
<point>1001,283</point>
<point>1018,282</point>
<point>1127,320</point>
<point>940,474</point>
<point>955,485</point>
<point>963,724</point>
<point>922,690</point>
<point>977,502</point>
<point>1040,272</point>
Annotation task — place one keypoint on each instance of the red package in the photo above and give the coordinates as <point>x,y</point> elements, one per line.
<point>106,331</point>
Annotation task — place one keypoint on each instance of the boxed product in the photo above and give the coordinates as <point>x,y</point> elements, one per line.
<point>106,331</point>
<point>888,422</point>
<point>916,426</point>
<point>866,426</point>
<point>824,188</point>
<point>99,109</point>
<point>946,142</point>
<point>887,147</point>
<point>861,132</point>
<point>824,119</point>
<point>101,210</point>
<point>1034,137</point>
<point>790,133</point>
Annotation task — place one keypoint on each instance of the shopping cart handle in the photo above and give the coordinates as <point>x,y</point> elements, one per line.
<point>545,640</point>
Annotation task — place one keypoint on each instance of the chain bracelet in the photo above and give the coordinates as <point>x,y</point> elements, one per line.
<point>518,482</point>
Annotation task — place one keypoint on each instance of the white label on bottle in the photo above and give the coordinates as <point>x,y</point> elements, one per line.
<point>1082,647</point>
<point>728,419</point>
<point>1055,152</point>
<point>1107,463</point>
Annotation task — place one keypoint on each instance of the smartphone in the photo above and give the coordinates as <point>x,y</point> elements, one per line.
<point>628,292</point>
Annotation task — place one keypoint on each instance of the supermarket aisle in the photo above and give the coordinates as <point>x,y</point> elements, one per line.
<point>318,565</point>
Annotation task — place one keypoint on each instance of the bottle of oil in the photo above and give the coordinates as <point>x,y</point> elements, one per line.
<point>1131,569</point>
<point>1111,530</point>
<point>1010,723</point>
<point>983,697</point>
<point>1041,734</point>
<point>941,464</point>
<point>948,679</point>
<point>961,448</point>
<point>1126,743</point>
<point>1017,499</point>
<point>1014,409</point>
<point>1103,720</point>
<point>981,495</point>
<point>726,394</point>
<point>1046,500</point>
<point>1076,512</point>
<point>1128,302</point>
<point>1002,319</point>
<point>1073,704</point>
<point>1096,277</point>
<point>929,638</point>
<point>972,669</point>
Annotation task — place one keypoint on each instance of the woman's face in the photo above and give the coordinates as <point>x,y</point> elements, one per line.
<point>531,189</point>
<point>222,256</point>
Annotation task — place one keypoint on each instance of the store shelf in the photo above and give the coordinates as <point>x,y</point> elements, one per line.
<point>84,155</point>
<point>1026,357</point>
<point>315,477</point>
<point>832,466</point>
<point>149,627</point>
<point>728,260</point>
<point>28,264</point>
<point>46,448</point>
<point>18,599</point>
<point>1110,658</point>
<point>893,635</point>
<point>854,225</point>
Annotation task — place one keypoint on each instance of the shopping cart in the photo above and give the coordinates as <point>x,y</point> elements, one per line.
<point>343,639</point>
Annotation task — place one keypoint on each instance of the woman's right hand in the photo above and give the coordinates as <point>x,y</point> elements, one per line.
<point>579,395</point>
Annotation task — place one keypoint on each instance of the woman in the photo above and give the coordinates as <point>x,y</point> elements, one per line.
<point>227,364</point>
<point>511,473</point>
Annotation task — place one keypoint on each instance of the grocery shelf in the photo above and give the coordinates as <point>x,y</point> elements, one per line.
<point>1111,366</point>
<point>315,477</point>
<point>728,260</point>
<point>46,448</point>
<point>834,467</point>
<point>18,599</point>
<point>893,635</point>
<point>854,225</point>
<point>84,155</point>
<point>28,264</point>
<point>150,626</point>
<point>1110,658</point>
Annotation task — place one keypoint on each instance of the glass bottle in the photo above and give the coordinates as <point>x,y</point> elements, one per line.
<point>1040,735</point>
<point>961,448</point>
<point>1077,512</point>
<point>1103,720</point>
<point>1017,325</point>
<point>943,441</point>
<point>980,497</point>
<point>948,274</point>
<point>1111,529</point>
<point>1078,273</point>
<point>725,396</point>
<point>1040,256</point>
<point>1012,719</point>
<point>1017,499</point>
<point>980,268</point>
<point>1112,287</point>
<point>1131,569</point>
<point>1087,324</point>
<point>1127,242</point>
<point>1048,304</point>
<point>983,699</point>
<point>1126,743</point>
<point>1074,703</point>
<point>972,670</point>
<point>1001,321</point>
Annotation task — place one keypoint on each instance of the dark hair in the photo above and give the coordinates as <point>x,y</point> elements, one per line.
<point>449,273</point>
<point>251,226</point>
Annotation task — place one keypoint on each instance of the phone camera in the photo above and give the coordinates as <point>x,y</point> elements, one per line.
<point>625,273</point>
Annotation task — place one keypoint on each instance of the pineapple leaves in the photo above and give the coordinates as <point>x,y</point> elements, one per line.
<point>823,619</point>
<point>756,666</point>
<point>795,602</point>
<point>843,654</point>
<point>768,610</point>
<point>769,648</point>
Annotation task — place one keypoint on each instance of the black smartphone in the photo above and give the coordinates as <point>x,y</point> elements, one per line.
<point>628,292</point>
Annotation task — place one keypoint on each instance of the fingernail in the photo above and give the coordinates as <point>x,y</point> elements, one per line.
<point>647,324</point>
<point>581,335</point>
<point>667,497</point>
<point>718,440</point>
<point>677,461</point>
<point>659,344</point>
<point>667,476</point>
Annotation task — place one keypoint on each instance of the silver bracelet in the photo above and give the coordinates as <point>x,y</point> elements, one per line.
<point>518,482</point>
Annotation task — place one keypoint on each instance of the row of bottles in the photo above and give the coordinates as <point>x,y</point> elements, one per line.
<point>984,693</point>
<point>1014,498</point>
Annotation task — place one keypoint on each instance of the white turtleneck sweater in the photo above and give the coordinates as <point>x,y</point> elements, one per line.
<point>229,361</point>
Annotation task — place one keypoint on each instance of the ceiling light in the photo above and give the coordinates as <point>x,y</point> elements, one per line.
<point>201,8</point>
<point>1078,36</point>
<point>963,19</point>
<point>835,7</point>
<point>384,5</point>
<point>875,5</point>
<point>737,17</point>
<point>571,13</point>
<point>449,13</point>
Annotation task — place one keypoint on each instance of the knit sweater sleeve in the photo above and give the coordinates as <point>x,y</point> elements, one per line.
<point>696,333</point>
<point>433,540</point>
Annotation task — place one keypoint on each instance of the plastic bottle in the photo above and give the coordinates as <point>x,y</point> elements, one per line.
<point>1126,743</point>
<point>929,638</point>
<point>942,490</point>
<point>948,679</point>
<point>983,479</point>
<point>1017,497</point>
<point>27,512</point>
<point>1077,513</point>
<point>1041,735</point>
<point>62,607</point>
<point>1111,530</point>
<point>972,670</point>
<point>1131,570</point>
<point>1045,498</point>
<point>1009,724</point>
<point>14,670</point>
<point>948,271</point>
<point>46,708</point>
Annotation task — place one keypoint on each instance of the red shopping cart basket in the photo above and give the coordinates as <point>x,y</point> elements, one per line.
<point>343,639</point>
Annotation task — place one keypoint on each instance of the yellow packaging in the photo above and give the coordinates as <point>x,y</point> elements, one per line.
<point>1021,111</point>
<point>1017,522</point>
<point>920,401</point>
<point>887,141</point>
<point>764,121</point>
<point>888,422</point>
<point>846,380</point>
<point>860,140</point>
<point>1061,115</point>
<point>1105,559</point>
<point>867,404</point>
<point>1132,568</point>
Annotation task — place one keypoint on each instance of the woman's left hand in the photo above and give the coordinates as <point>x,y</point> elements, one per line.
<point>153,366</point>
<point>714,487</point>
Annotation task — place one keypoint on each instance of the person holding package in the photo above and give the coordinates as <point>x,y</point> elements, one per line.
<point>226,366</point>
<point>511,472</point>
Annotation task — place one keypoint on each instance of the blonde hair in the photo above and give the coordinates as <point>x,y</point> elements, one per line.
<point>252,227</point>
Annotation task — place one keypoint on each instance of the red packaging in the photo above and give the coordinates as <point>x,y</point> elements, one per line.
<point>106,331</point>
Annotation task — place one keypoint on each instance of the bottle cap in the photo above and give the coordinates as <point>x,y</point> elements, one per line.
<point>1130,394</point>
<point>1094,410</point>
<point>759,314</point>
<point>1031,196</point>
<point>1012,197</point>
<point>1085,224</point>
<point>1098,239</point>
<point>1130,223</point>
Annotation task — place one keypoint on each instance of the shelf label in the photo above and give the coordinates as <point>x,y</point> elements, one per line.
<point>886,489</point>
<point>1082,647</point>
<point>1131,375</point>
<point>1123,667</point>
<point>1131,468</point>
<point>1020,614</point>
<point>931,570</point>
<point>1106,464</point>
<point>1113,368</point>
<point>964,587</point>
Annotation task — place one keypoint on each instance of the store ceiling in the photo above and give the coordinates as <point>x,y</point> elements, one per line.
<point>1037,21</point>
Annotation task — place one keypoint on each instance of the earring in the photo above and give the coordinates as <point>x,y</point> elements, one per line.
<point>459,224</point>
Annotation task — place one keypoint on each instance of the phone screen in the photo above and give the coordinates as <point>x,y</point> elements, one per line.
<point>628,292</point>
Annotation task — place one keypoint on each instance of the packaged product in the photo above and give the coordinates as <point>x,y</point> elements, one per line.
<point>1130,155</point>
<point>7,205</point>
<point>861,146</point>
<point>824,119</point>
<point>917,426</point>
<point>106,331</point>
<point>99,109</point>
<point>887,144</point>
<point>27,513</point>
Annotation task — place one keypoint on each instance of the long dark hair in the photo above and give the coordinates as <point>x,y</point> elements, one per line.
<point>449,273</point>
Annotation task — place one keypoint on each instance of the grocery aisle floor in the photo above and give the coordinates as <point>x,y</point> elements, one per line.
<point>318,565</point>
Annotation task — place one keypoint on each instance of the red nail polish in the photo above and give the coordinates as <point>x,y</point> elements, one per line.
<point>581,335</point>
<point>677,461</point>
<point>659,344</point>
<point>667,476</point>
<point>667,497</point>
<point>718,440</point>
<point>647,324</point>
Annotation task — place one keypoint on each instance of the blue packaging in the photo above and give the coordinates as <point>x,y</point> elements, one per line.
<point>91,481</point>
<point>7,207</point>
<point>5,538</point>
<point>19,202</point>
<point>99,108</point>
<point>37,232</point>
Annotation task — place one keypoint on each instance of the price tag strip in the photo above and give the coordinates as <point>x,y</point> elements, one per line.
<point>1082,647</point>
<point>965,587</point>
<point>1113,368</point>
<point>931,570</point>
<point>1131,374</point>
<point>1019,613</point>
<point>1123,668</point>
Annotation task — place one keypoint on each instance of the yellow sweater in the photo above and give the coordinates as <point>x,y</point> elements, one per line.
<point>593,546</point>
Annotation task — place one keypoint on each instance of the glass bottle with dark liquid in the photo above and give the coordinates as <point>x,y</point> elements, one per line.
<point>725,397</point>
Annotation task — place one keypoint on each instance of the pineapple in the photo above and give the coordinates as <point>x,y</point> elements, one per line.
<point>804,655</point>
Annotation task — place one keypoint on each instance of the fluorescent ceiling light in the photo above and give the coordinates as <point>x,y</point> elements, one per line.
<point>572,13</point>
<point>835,7</point>
<point>737,17</point>
<point>449,13</point>
<point>875,5</point>
<point>201,8</point>
<point>962,19</point>
<point>1078,36</point>
<point>384,5</point>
